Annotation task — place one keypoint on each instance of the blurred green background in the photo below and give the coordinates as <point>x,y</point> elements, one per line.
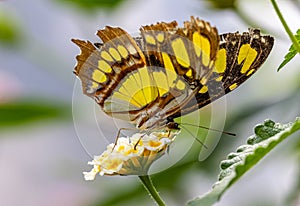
<point>45,146</point>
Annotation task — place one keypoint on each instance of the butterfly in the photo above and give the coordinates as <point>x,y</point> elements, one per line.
<point>167,71</point>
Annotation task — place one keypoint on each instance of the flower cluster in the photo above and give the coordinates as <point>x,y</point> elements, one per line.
<point>131,155</point>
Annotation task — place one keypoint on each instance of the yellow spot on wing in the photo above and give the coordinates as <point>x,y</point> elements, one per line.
<point>246,55</point>
<point>133,91</point>
<point>128,92</point>
<point>106,56</point>
<point>148,89</point>
<point>197,43</point>
<point>219,78</point>
<point>161,82</point>
<point>206,50</point>
<point>180,85</point>
<point>189,73</point>
<point>150,39</point>
<point>104,66</point>
<point>148,92</point>
<point>123,51</point>
<point>115,54</point>
<point>202,46</point>
<point>233,86</point>
<point>99,76</point>
<point>167,62</point>
<point>250,72</point>
<point>160,37</point>
<point>180,52</point>
<point>170,71</point>
<point>203,80</point>
<point>139,88</point>
<point>220,64</point>
<point>203,90</point>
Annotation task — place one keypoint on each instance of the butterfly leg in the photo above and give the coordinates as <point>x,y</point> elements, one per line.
<point>169,132</point>
<point>136,144</point>
<point>118,135</point>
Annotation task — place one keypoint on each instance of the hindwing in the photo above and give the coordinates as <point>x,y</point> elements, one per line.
<point>238,58</point>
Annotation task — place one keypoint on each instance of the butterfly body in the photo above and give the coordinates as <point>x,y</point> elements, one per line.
<point>168,71</point>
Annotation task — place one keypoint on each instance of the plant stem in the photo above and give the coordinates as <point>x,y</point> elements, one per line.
<point>151,189</point>
<point>286,27</point>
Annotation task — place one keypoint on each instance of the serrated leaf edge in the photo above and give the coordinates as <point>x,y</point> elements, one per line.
<point>231,171</point>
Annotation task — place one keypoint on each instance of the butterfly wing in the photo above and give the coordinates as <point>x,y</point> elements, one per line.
<point>238,58</point>
<point>167,71</point>
<point>179,59</point>
<point>146,79</point>
<point>103,67</point>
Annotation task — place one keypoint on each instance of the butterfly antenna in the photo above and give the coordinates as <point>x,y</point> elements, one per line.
<point>194,137</point>
<point>211,129</point>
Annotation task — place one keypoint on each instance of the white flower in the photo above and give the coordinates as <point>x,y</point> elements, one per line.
<point>131,155</point>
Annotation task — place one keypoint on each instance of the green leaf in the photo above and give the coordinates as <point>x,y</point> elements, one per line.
<point>267,136</point>
<point>9,29</point>
<point>292,52</point>
<point>92,4</point>
<point>26,111</point>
